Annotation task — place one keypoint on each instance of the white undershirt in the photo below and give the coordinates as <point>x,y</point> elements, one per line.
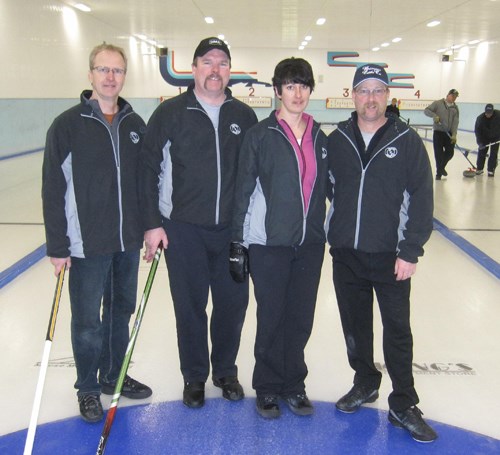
<point>212,111</point>
<point>367,137</point>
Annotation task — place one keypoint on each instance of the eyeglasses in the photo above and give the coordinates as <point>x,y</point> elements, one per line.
<point>107,69</point>
<point>374,92</point>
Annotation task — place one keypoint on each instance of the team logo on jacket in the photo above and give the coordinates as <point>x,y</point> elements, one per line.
<point>134,137</point>
<point>323,153</point>
<point>235,129</point>
<point>391,152</point>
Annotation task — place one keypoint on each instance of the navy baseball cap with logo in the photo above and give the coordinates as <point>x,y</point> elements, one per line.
<point>208,44</point>
<point>370,71</point>
<point>488,108</point>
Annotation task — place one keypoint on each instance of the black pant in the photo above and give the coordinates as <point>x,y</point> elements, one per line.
<point>492,160</point>
<point>198,261</point>
<point>356,275</point>
<point>443,150</point>
<point>286,283</point>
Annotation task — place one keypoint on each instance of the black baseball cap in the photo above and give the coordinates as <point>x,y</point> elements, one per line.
<point>369,71</point>
<point>489,108</point>
<point>453,92</point>
<point>208,44</point>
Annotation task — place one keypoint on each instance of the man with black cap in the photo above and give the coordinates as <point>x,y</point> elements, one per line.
<point>377,225</point>
<point>187,179</point>
<point>445,115</point>
<point>487,130</point>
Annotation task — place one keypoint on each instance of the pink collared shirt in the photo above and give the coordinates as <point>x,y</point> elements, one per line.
<point>304,150</point>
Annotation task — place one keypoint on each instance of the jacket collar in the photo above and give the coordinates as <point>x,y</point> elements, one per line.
<point>193,102</point>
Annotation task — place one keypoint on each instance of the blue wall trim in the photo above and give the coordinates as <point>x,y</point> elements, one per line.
<point>18,154</point>
<point>23,264</point>
<point>475,253</point>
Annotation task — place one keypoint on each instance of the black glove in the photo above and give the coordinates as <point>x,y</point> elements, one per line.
<point>238,262</point>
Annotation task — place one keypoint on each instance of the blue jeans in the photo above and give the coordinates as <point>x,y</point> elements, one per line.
<point>101,344</point>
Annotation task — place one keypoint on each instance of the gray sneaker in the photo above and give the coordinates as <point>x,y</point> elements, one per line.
<point>411,420</point>
<point>358,395</point>
<point>90,408</point>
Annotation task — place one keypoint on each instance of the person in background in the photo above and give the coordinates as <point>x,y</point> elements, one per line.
<point>92,225</point>
<point>487,131</point>
<point>393,107</point>
<point>378,223</point>
<point>189,162</point>
<point>446,115</point>
<point>278,234</point>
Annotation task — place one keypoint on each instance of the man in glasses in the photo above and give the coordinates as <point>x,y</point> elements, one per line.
<point>380,218</point>
<point>92,224</point>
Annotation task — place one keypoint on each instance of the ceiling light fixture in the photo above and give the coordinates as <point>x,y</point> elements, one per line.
<point>442,50</point>
<point>433,23</point>
<point>304,43</point>
<point>82,7</point>
<point>209,20</point>
<point>308,38</point>
<point>301,48</point>
<point>375,49</point>
<point>474,41</point>
<point>221,36</point>
<point>320,21</point>
<point>397,40</point>
<point>384,45</point>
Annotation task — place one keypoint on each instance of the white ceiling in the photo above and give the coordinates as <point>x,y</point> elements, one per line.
<point>356,25</point>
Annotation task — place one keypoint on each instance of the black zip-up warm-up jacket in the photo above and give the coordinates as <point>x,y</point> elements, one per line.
<point>188,168</point>
<point>385,205</point>
<point>269,205</point>
<point>90,181</point>
<point>487,129</point>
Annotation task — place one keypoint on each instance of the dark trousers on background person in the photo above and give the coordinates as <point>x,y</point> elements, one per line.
<point>197,259</point>
<point>492,160</point>
<point>285,283</point>
<point>443,151</point>
<point>99,345</point>
<point>356,276</point>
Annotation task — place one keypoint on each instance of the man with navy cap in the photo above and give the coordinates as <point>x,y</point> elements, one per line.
<point>487,130</point>
<point>445,114</point>
<point>189,160</point>
<point>378,223</point>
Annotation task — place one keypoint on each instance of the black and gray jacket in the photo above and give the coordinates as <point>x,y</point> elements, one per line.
<point>487,129</point>
<point>89,189</point>
<point>189,168</point>
<point>386,204</point>
<point>269,207</point>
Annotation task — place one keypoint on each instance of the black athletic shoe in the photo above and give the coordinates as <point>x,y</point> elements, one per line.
<point>231,388</point>
<point>358,395</point>
<point>268,406</point>
<point>445,173</point>
<point>193,395</point>
<point>411,420</point>
<point>299,404</point>
<point>438,177</point>
<point>90,408</point>
<point>131,389</point>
